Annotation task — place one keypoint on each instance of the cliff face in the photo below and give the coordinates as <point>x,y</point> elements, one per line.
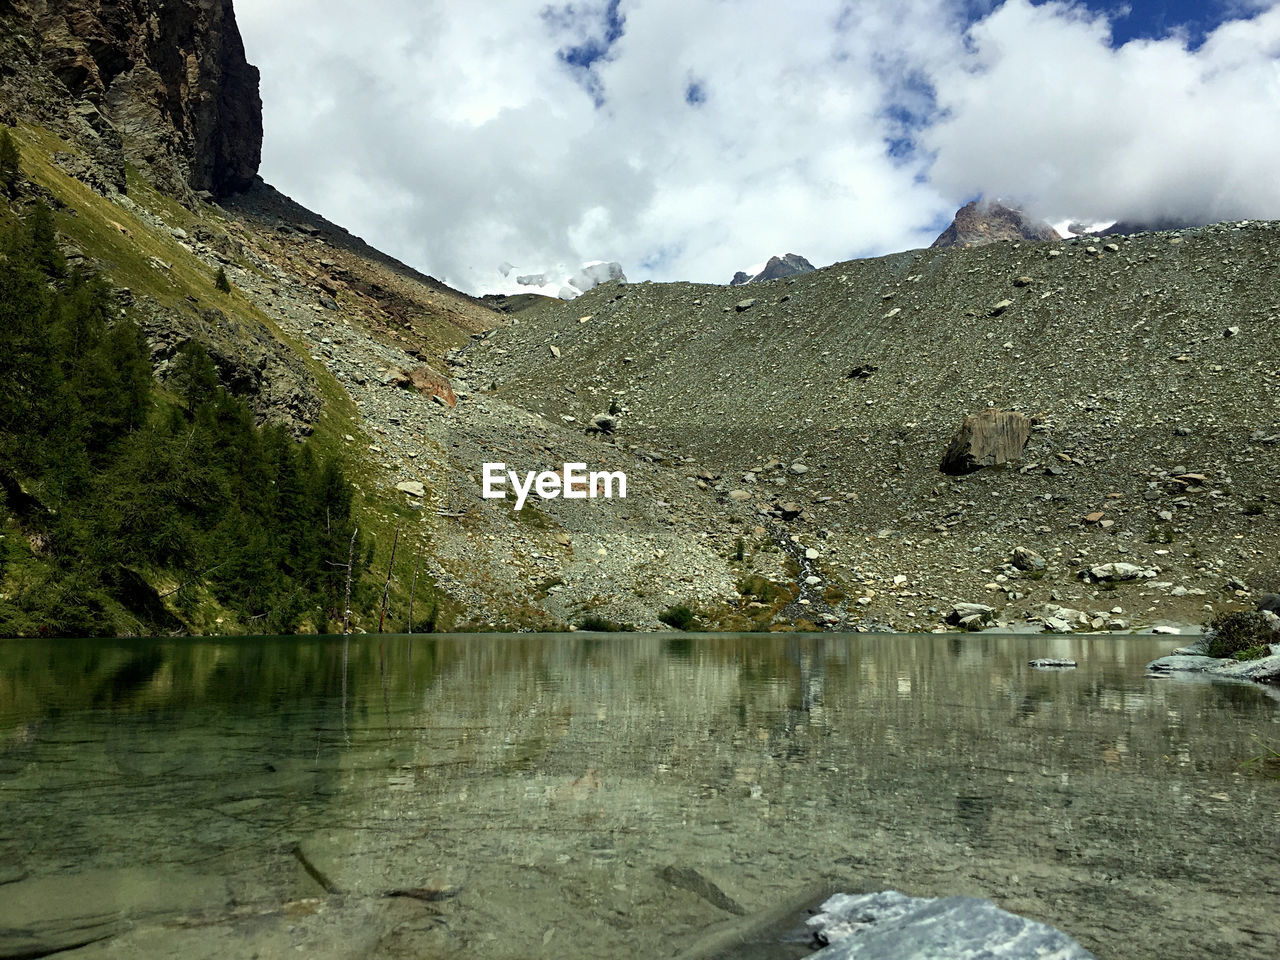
<point>163,85</point>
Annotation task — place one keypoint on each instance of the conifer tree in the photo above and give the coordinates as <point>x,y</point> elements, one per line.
<point>194,375</point>
<point>221,281</point>
<point>43,240</point>
<point>9,172</point>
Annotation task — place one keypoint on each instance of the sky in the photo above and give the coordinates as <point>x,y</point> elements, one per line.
<point>689,139</point>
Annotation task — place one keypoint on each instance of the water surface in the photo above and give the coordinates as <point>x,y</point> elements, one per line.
<point>619,796</point>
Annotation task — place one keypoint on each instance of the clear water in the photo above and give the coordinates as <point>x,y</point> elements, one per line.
<point>619,796</point>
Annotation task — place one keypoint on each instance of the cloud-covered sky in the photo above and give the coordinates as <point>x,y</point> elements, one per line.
<point>688,139</point>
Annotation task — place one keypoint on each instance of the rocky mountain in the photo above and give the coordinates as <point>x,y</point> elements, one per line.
<point>790,265</point>
<point>980,222</point>
<point>966,434</point>
<point>161,85</point>
<point>817,422</point>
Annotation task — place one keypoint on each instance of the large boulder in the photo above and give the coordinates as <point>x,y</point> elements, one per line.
<point>433,384</point>
<point>986,439</point>
<point>1027,560</point>
<point>1117,573</point>
<point>971,616</point>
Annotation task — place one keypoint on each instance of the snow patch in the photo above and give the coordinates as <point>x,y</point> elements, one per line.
<point>558,282</point>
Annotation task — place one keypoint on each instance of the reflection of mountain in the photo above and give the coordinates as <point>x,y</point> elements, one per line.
<point>667,781</point>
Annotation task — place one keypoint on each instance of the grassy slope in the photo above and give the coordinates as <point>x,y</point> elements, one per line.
<point>125,244</point>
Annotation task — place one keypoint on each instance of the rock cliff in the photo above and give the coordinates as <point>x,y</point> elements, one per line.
<point>162,85</point>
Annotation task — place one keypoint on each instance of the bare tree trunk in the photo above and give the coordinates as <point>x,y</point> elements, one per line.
<point>346,614</point>
<point>414,589</point>
<point>386,589</point>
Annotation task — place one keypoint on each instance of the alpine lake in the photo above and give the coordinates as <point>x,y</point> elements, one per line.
<point>621,795</point>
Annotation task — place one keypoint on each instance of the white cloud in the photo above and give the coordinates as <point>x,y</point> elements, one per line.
<point>1046,112</point>
<point>453,136</point>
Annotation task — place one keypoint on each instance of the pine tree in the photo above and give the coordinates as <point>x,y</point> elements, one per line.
<point>9,172</point>
<point>194,375</point>
<point>221,281</point>
<point>43,240</point>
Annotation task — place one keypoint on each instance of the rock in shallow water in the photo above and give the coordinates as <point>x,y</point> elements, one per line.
<point>891,924</point>
<point>1263,670</point>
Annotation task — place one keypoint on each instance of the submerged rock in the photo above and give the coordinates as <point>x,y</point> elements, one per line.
<point>1262,670</point>
<point>891,924</point>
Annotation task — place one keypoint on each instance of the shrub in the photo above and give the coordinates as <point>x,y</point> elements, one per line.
<point>679,617</point>
<point>598,624</point>
<point>221,282</point>
<point>761,589</point>
<point>1240,633</point>
<point>739,549</point>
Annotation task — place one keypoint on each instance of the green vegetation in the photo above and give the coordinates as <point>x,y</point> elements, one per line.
<point>739,550</point>
<point>9,173</point>
<point>763,590</point>
<point>220,281</point>
<point>122,244</point>
<point>679,617</point>
<point>1268,760</point>
<point>598,624</point>
<point>1242,635</point>
<point>122,511</point>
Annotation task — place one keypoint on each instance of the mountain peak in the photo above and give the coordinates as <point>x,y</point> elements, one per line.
<point>777,268</point>
<point>980,222</point>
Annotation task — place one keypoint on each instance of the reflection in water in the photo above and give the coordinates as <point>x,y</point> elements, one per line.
<point>517,797</point>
